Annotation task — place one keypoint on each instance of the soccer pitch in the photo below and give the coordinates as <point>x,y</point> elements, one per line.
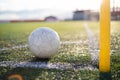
<point>74,51</point>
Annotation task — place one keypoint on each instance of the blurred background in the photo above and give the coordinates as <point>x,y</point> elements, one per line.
<point>54,10</point>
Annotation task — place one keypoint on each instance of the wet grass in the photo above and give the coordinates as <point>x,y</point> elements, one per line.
<point>14,34</point>
<point>50,74</point>
<point>70,53</point>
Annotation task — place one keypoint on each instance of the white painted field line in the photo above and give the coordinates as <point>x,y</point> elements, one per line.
<point>93,44</point>
<point>14,47</point>
<point>46,65</point>
<point>24,46</point>
<point>73,42</point>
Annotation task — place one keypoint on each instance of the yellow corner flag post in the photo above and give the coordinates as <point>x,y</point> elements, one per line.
<point>104,63</point>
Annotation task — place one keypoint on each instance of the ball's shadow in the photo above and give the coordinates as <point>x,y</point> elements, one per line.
<point>37,59</point>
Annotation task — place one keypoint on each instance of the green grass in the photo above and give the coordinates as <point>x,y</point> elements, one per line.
<point>21,31</point>
<point>14,34</point>
<point>50,74</point>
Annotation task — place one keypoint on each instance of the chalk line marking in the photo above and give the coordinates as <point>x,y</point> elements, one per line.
<point>13,64</point>
<point>25,46</point>
<point>93,44</point>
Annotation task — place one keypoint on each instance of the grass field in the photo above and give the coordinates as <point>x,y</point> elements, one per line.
<point>16,34</point>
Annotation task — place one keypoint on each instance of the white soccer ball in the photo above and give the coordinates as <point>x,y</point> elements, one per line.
<point>44,42</point>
